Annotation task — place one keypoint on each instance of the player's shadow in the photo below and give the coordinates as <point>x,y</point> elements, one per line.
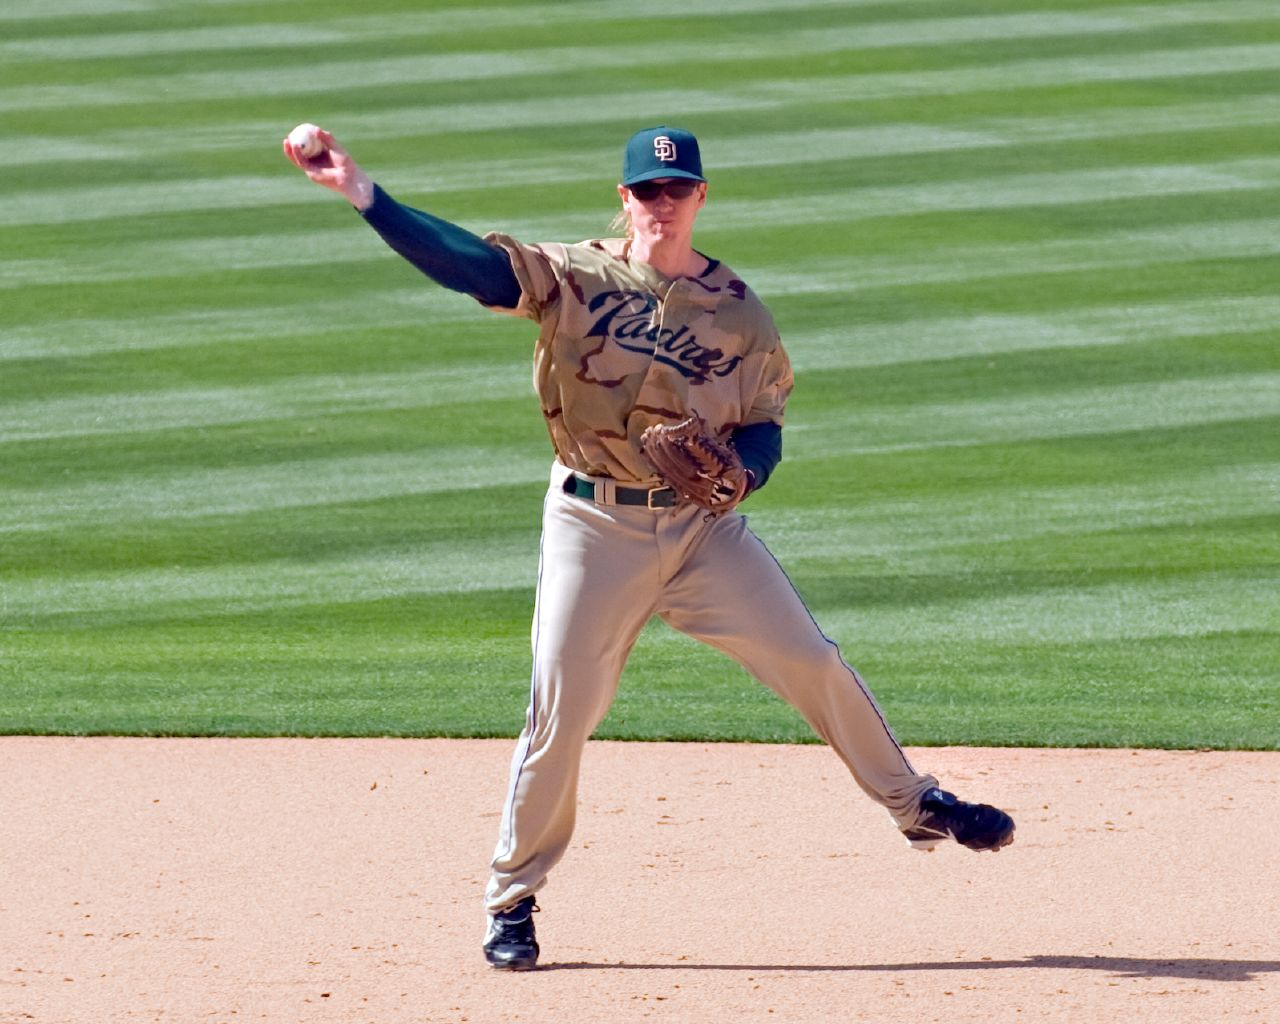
<point>1120,966</point>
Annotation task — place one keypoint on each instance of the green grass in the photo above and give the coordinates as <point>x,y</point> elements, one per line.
<point>259,478</point>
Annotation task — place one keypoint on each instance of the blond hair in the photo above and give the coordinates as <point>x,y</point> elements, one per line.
<point>621,224</point>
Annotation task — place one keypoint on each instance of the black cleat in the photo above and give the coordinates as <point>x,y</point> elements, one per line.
<point>511,944</point>
<point>977,826</point>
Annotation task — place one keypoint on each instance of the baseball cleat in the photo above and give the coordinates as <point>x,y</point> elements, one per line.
<point>511,944</point>
<point>977,826</point>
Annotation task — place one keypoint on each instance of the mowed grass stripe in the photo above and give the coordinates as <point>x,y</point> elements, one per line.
<point>434,310</point>
<point>816,435</point>
<point>279,81</point>
<point>298,397</point>
<point>451,172</point>
<point>239,490</point>
<point>267,32</point>
<point>42,10</point>
<point>956,263</point>
<point>454,171</point>
<point>989,192</point>
<point>848,145</point>
<point>338,247</point>
<point>95,404</point>
<point>897,342</point>
<point>443,567</point>
<point>866,34</point>
<point>999,192</point>
<point>445,19</point>
<point>1195,605</point>
<point>928,532</point>
<point>886,343</point>
<point>880,526</point>
<point>1071,412</point>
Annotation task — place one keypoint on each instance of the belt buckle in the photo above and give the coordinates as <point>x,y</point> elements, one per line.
<point>648,501</point>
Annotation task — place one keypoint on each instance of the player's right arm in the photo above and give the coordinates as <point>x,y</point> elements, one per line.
<point>446,253</point>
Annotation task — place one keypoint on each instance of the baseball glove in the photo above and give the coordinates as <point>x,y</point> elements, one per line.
<point>694,464</point>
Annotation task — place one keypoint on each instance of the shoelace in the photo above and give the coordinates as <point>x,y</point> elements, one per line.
<point>503,920</point>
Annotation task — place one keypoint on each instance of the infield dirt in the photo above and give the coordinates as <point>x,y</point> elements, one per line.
<point>340,880</point>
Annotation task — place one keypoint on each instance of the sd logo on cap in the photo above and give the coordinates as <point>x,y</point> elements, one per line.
<point>661,152</point>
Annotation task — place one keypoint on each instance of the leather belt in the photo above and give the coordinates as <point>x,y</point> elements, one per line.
<point>646,497</point>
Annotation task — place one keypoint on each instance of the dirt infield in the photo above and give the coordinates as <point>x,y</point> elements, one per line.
<point>339,880</point>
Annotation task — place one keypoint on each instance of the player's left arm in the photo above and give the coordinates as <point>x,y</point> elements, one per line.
<point>759,446</point>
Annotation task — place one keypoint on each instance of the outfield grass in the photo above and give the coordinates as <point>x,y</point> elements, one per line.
<point>260,478</point>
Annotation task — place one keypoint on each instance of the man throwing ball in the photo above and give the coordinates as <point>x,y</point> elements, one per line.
<point>663,384</point>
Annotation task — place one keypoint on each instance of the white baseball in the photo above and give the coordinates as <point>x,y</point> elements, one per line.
<point>306,140</point>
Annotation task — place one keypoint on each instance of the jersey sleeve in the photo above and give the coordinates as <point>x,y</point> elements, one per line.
<point>539,270</point>
<point>774,387</point>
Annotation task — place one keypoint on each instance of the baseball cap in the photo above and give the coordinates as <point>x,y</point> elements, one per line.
<point>661,152</point>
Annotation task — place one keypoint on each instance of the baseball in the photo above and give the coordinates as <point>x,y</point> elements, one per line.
<point>306,140</point>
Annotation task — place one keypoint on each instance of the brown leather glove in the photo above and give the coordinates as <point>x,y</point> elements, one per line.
<point>695,465</point>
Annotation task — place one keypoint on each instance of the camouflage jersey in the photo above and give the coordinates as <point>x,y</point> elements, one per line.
<point>621,346</point>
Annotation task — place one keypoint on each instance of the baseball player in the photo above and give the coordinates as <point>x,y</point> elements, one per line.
<point>663,383</point>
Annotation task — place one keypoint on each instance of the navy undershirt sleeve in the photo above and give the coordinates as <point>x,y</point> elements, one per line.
<point>446,253</point>
<point>760,448</point>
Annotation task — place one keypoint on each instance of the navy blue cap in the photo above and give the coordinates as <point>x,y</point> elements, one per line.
<point>661,152</point>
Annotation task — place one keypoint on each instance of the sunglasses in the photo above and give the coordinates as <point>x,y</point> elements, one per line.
<point>646,191</point>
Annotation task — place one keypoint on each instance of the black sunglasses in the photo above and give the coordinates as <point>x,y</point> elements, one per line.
<point>646,191</point>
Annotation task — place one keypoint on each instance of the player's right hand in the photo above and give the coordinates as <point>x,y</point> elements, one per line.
<point>335,169</point>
